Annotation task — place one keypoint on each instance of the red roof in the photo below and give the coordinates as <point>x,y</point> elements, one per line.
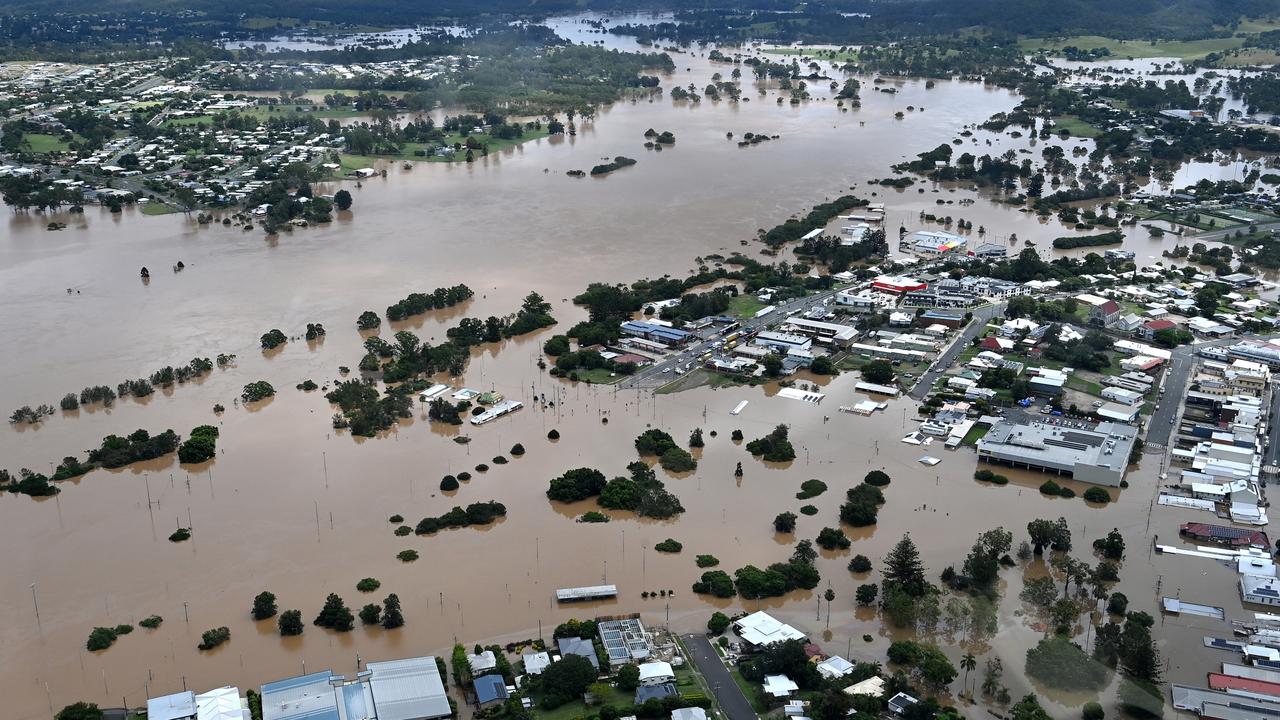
<point>1109,307</point>
<point>1158,325</point>
<point>1218,681</point>
<point>989,343</point>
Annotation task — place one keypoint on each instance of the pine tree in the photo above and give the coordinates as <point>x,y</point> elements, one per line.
<point>903,569</point>
<point>391,615</point>
<point>335,615</point>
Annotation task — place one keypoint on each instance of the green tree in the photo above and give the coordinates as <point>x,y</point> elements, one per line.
<point>566,680</point>
<point>967,663</point>
<point>371,614</point>
<point>866,594</point>
<point>718,623</point>
<point>290,622</point>
<point>903,569</point>
<point>628,678</point>
<point>79,711</point>
<point>879,372</point>
<point>785,522</point>
<point>392,616</point>
<point>342,200</point>
<point>335,615</point>
<point>264,605</point>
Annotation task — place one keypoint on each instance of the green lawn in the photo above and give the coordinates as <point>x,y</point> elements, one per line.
<point>750,689</point>
<point>975,434</point>
<point>1075,126</point>
<point>599,376</point>
<point>745,306</point>
<point>157,208</point>
<point>1075,382</point>
<point>45,143</point>
<point>1183,50</point>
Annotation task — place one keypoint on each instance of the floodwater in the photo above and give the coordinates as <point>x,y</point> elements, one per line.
<point>293,507</point>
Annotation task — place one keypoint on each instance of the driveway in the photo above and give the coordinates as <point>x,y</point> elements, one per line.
<point>727,692</point>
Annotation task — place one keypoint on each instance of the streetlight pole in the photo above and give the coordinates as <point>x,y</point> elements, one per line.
<point>36,602</point>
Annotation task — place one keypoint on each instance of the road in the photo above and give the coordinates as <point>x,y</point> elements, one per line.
<point>981,317</point>
<point>1173,388</point>
<point>727,692</point>
<point>663,372</point>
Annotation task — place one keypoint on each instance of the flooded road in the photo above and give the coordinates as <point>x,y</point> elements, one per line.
<point>290,506</point>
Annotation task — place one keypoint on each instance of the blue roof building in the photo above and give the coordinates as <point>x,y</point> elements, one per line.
<point>490,688</point>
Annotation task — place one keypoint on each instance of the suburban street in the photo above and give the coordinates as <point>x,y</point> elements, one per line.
<point>727,692</point>
<point>981,316</point>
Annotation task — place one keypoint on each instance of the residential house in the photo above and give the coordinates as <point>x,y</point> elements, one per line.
<point>536,662</point>
<point>490,690</point>
<point>779,686</point>
<point>1148,330</point>
<point>656,673</point>
<point>581,647</point>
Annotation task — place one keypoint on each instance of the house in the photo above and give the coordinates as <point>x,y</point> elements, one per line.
<point>224,703</point>
<point>482,663</point>
<point>1206,328</point>
<point>490,690</point>
<point>779,686</point>
<point>580,647</point>
<point>655,692</point>
<point>901,319</point>
<point>1148,330</point>
<point>1105,314</point>
<point>873,686</point>
<point>535,663</point>
<point>179,706</point>
<point>656,673</point>
<point>689,713</point>
<point>834,667</point>
<point>759,629</point>
<point>1260,589</point>
<point>899,703</point>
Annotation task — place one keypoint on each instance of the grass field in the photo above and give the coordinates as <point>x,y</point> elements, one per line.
<point>157,208</point>
<point>1181,49</point>
<point>599,376</point>
<point>745,306</point>
<point>263,112</point>
<point>1075,126</point>
<point>44,143</point>
<point>976,433</point>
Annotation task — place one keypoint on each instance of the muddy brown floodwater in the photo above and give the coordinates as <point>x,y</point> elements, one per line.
<point>293,507</point>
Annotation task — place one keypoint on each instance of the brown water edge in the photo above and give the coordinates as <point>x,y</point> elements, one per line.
<point>260,513</point>
<point>263,518</point>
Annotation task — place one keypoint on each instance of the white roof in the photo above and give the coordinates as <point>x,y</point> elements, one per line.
<point>873,686</point>
<point>779,685</point>
<point>483,661</point>
<point>408,689</point>
<point>760,628</point>
<point>656,670</point>
<point>172,707</point>
<point>221,704</point>
<point>689,713</point>
<point>535,663</point>
<point>834,667</point>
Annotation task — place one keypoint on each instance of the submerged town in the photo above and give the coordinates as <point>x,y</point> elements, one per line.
<point>930,378</point>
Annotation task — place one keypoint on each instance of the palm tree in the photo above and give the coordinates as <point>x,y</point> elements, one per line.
<point>829,595</point>
<point>968,662</point>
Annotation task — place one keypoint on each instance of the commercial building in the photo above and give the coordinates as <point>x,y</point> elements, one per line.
<point>784,342</point>
<point>863,303</point>
<point>655,333</point>
<point>1097,456</point>
<point>1267,353</point>
<point>408,689</point>
<point>897,284</point>
<point>1122,396</point>
<point>932,243</point>
<point>824,332</point>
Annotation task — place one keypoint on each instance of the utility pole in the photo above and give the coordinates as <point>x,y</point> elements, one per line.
<point>36,602</point>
